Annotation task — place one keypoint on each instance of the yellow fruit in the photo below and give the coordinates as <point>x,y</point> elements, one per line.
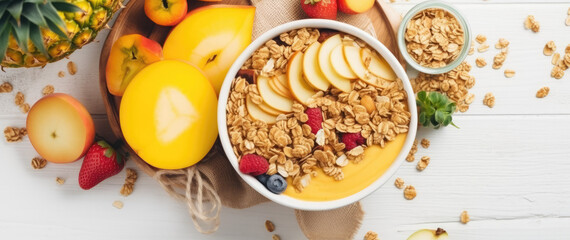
<point>168,114</point>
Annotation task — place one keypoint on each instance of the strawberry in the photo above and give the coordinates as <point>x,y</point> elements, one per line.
<point>100,163</point>
<point>320,8</point>
<point>352,140</point>
<point>315,120</point>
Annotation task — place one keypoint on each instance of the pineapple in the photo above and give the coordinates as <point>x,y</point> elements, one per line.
<point>36,32</point>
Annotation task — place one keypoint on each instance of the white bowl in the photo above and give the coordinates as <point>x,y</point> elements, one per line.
<point>315,23</point>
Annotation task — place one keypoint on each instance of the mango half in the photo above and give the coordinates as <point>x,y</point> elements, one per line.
<point>168,114</point>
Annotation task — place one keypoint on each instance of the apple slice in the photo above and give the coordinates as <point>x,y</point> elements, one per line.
<point>429,234</point>
<point>299,87</point>
<point>339,64</point>
<point>257,113</point>
<point>378,65</point>
<point>266,108</point>
<point>311,69</point>
<point>280,89</point>
<point>272,98</point>
<point>326,67</point>
<point>352,57</point>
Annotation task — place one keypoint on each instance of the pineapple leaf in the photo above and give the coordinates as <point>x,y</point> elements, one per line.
<point>4,36</point>
<point>3,7</point>
<point>36,38</point>
<point>66,7</point>
<point>22,33</point>
<point>32,13</point>
<point>51,15</point>
<point>56,29</point>
<point>15,9</point>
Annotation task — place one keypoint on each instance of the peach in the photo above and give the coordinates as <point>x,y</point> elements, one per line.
<point>211,38</point>
<point>168,114</point>
<point>128,55</point>
<point>166,12</point>
<point>325,64</point>
<point>302,91</point>
<point>60,128</point>
<point>355,6</point>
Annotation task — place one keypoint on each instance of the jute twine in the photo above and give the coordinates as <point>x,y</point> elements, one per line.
<point>213,182</point>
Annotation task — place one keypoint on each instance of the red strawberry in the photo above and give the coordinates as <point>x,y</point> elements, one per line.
<point>100,163</point>
<point>315,119</point>
<point>352,140</point>
<point>320,8</point>
<point>253,164</point>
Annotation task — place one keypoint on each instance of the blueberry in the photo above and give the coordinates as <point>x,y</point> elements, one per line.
<point>262,178</point>
<point>276,184</point>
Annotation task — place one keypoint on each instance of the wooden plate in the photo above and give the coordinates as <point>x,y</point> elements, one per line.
<point>132,19</point>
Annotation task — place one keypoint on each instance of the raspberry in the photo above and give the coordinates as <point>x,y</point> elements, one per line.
<point>315,119</point>
<point>352,140</point>
<point>253,164</point>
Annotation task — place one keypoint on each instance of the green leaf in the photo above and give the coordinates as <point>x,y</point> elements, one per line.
<point>433,97</point>
<point>56,29</point>
<point>15,9</point>
<point>430,110</point>
<point>50,14</point>
<point>3,7</point>
<point>446,120</point>
<point>423,119</point>
<point>434,122</point>
<point>32,13</point>
<point>103,144</point>
<point>66,7</point>
<point>4,38</point>
<point>22,33</point>
<point>36,38</point>
<point>439,116</point>
<point>422,95</point>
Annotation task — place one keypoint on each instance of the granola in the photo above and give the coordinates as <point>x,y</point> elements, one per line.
<point>399,183</point>
<point>71,68</point>
<point>47,90</point>
<point>379,114</point>
<point>464,217</point>
<point>480,62</point>
<point>542,92</point>
<point>549,48</point>
<point>531,23</point>
<point>502,43</point>
<point>59,181</point>
<point>38,163</point>
<point>269,226</point>
<point>371,235</point>
<point>500,58</point>
<point>489,100</point>
<point>14,134</point>
<point>423,163</point>
<point>480,38</point>
<point>129,184</point>
<point>434,37</point>
<point>6,87</point>
<point>413,150</point>
<point>410,192</point>
<point>425,143</point>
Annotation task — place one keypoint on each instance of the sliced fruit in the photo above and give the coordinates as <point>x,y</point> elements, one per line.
<point>166,12</point>
<point>282,78</point>
<point>211,38</point>
<point>378,65</point>
<point>266,108</point>
<point>311,69</point>
<point>339,64</point>
<point>299,87</point>
<point>352,56</point>
<point>257,113</point>
<point>355,6</point>
<point>325,65</point>
<point>272,98</point>
<point>280,89</point>
<point>429,234</point>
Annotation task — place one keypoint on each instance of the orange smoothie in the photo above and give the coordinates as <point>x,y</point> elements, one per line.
<point>356,176</point>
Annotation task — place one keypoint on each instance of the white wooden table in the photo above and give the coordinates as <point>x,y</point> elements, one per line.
<point>509,166</point>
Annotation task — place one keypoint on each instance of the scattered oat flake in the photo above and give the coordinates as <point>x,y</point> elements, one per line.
<point>481,38</point>
<point>118,204</point>
<point>47,90</point>
<point>19,99</point>
<point>14,134</point>
<point>471,50</point>
<point>483,47</point>
<point>549,48</point>
<point>6,87</point>
<point>25,108</point>
<point>61,74</point>
<point>269,226</point>
<point>480,62</point>
<point>71,68</point>
<point>464,217</point>
<point>555,58</point>
<point>509,73</point>
<point>399,183</point>
<point>557,72</point>
<point>275,237</point>
<point>502,43</point>
<point>489,100</point>
<point>371,235</point>
<point>38,163</point>
<point>531,23</point>
<point>423,163</point>
<point>59,181</point>
<point>410,192</point>
<point>542,92</point>
<point>425,143</point>
<point>567,21</point>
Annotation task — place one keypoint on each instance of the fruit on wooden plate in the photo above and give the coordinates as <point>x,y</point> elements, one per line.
<point>166,12</point>
<point>377,65</point>
<point>34,33</point>
<point>355,6</point>
<point>100,162</point>
<point>128,55</point>
<point>429,234</point>
<point>60,128</point>
<point>272,98</point>
<point>311,69</point>
<point>326,66</point>
<point>339,64</point>
<point>320,8</point>
<point>168,116</point>
<point>299,87</point>
<point>212,38</point>
<point>257,113</point>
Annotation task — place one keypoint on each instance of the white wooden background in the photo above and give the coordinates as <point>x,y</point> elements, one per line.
<point>509,166</point>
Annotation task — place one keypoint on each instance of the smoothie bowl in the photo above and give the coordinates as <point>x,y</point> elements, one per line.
<point>316,114</point>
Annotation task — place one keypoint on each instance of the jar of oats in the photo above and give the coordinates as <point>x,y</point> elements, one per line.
<point>434,37</point>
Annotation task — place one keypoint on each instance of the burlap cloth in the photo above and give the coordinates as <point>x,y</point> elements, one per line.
<point>213,182</point>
